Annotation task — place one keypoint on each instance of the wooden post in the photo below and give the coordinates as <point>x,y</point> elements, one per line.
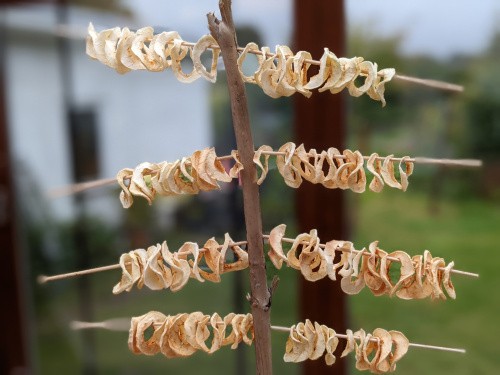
<point>80,234</point>
<point>13,348</point>
<point>319,123</point>
<point>260,298</point>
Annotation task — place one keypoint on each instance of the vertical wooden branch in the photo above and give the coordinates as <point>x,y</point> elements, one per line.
<point>260,298</point>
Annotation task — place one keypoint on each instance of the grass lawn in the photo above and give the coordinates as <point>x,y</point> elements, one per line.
<point>61,350</point>
<point>464,231</point>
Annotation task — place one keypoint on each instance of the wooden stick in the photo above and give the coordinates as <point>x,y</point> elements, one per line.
<point>82,186</point>
<point>123,324</point>
<point>374,339</point>
<point>441,85</point>
<point>392,259</point>
<point>450,162</point>
<point>79,187</point>
<point>120,324</point>
<point>225,35</point>
<point>42,279</point>
<point>431,83</point>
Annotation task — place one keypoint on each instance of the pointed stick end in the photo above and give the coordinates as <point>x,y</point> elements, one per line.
<point>75,325</point>
<point>42,279</point>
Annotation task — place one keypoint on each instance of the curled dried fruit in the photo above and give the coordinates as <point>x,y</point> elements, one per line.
<point>202,171</point>
<point>280,74</point>
<point>416,278</point>
<point>377,352</point>
<point>159,268</point>
<point>343,170</point>
<point>182,335</point>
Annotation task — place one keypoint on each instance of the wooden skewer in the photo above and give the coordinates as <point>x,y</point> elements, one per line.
<point>431,83</point>
<point>124,325</point>
<point>82,186</point>
<point>120,324</point>
<point>42,279</point>
<point>374,339</point>
<point>419,81</point>
<point>392,259</point>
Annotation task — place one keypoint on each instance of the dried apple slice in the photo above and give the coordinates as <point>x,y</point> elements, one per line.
<point>201,46</point>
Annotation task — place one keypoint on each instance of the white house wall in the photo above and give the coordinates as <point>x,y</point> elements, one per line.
<point>142,116</point>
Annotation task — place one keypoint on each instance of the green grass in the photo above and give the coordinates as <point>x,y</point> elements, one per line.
<point>61,350</point>
<point>464,231</point>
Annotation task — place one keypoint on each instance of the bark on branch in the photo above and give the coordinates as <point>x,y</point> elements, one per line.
<point>224,33</point>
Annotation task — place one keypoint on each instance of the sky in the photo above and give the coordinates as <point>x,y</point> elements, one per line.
<point>440,28</point>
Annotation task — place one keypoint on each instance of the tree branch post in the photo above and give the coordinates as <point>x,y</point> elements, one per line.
<point>260,298</point>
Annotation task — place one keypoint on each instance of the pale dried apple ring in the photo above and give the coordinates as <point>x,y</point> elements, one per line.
<point>276,253</point>
<point>131,272</point>
<point>191,327</point>
<point>332,342</point>
<point>319,345</point>
<point>347,283</point>
<point>125,55</point>
<point>369,71</point>
<point>381,362</point>
<point>377,90</point>
<point>264,167</point>
<point>177,337</point>
<point>350,343</point>
<point>241,58</point>
<point>177,53</point>
<point>138,185</point>
<point>345,170</point>
<point>349,72</point>
<point>301,67</point>
<point>406,271</point>
<point>335,74</point>
<point>202,45</point>
<point>448,286</point>
<point>234,172</point>
<point>374,165</point>
<point>284,163</point>
<point>388,173</point>
<point>126,198</point>
<point>400,347</point>
<point>330,180</point>
<point>162,46</point>
<point>436,277</point>
<point>301,162</point>
<point>156,275</point>
<point>357,178</point>
<point>325,69</point>
<point>287,78</point>
<point>140,343</point>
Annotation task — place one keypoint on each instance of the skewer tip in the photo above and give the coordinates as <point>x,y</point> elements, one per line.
<point>111,325</point>
<point>41,279</point>
<point>441,348</point>
<point>75,325</point>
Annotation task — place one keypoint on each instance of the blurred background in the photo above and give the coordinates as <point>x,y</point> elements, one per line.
<point>65,118</point>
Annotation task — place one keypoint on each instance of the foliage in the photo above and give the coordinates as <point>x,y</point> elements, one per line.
<point>115,6</point>
<point>483,103</point>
